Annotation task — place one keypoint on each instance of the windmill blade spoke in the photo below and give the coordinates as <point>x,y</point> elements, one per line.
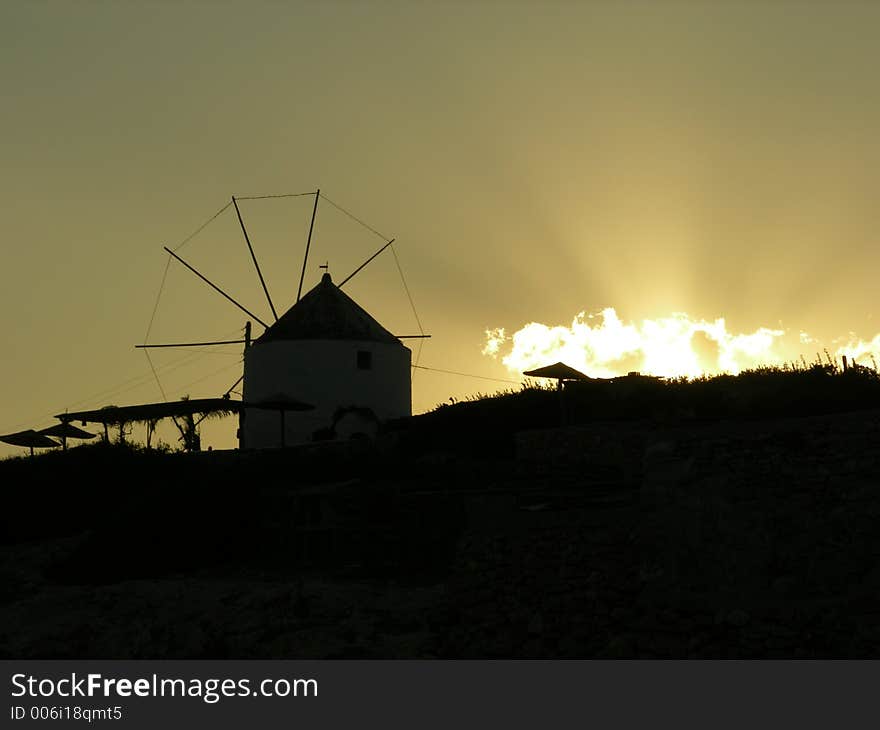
<point>216,288</point>
<point>254,257</point>
<point>351,275</point>
<point>308,243</point>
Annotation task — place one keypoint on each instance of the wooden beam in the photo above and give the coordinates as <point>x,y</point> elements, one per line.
<point>193,344</point>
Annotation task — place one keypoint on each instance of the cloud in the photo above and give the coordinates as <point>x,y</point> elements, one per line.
<point>603,345</point>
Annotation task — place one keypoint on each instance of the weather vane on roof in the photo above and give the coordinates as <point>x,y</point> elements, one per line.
<point>325,266</point>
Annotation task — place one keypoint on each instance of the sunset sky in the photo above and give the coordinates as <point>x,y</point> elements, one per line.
<point>533,160</point>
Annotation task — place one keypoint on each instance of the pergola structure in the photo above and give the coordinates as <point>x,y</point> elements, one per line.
<point>151,413</point>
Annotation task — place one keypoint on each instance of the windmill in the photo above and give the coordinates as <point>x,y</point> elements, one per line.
<point>324,358</point>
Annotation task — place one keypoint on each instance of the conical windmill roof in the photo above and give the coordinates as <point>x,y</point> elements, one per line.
<point>326,313</point>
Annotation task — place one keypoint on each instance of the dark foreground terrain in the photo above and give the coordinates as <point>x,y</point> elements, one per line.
<point>669,535</point>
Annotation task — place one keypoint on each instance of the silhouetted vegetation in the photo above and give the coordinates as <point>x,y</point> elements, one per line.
<point>664,520</point>
<point>487,423</point>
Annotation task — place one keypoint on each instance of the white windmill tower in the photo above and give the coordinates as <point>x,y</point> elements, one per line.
<point>329,352</point>
<point>326,359</point>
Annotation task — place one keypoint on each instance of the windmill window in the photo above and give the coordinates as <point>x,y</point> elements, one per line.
<point>364,360</point>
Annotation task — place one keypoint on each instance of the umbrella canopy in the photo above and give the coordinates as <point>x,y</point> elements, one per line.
<point>29,438</point>
<point>67,431</point>
<point>557,371</point>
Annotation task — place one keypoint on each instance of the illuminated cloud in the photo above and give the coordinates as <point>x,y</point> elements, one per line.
<point>861,352</point>
<point>494,340</point>
<point>602,345</point>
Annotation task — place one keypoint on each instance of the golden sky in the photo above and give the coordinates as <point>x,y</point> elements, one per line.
<point>533,160</point>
